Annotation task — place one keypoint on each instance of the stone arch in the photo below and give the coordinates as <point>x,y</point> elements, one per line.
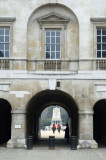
<point>5,121</point>
<point>46,98</point>
<point>34,40</point>
<point>99,122</point>
<point>55,4</point>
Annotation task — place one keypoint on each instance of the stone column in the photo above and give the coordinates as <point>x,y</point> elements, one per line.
<point>18,129</point>
<point>86,130</point>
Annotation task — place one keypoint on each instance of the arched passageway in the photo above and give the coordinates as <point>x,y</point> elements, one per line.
<point>100,122</point>
<point>54,117</point>
<point>44,99</point>
<point>5,121</point>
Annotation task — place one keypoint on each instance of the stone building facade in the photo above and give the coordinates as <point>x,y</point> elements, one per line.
<point>52,52</point>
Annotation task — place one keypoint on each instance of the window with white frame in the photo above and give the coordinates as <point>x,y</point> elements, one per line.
<point>52,44</point>
<point>4,41</point>
<point>101,42</point>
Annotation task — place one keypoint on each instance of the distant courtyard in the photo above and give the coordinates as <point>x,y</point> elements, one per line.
<point>46,134</point>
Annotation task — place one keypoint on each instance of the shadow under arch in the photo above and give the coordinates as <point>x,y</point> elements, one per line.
<point>99,122</point>
<point>43,100</point>
<point>5,121</point>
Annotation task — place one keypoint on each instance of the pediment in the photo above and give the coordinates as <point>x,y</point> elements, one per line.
<point>53,17</point>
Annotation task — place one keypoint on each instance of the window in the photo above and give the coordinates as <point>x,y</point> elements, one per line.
<point>4,42</point>
<point>101,42</point>
<point>53,43</point>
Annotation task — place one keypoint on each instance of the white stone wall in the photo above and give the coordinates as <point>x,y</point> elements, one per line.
<point>22,10</point>
<point>86,87</point>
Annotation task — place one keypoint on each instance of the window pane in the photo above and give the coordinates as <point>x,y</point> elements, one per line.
<point>1,38</point>
<point>103,31</point>
<point>47,47</point>
<point>2,31</point>
<point>98,54</point>
<point>52,39</point>
<point>1,46</point>
<point>6,53</point>
<point>104,39</point>
<point>103,46</point>
<point>104,54</point>
<point>53,33</point>
<point>48,55</point>
<point>52,55</point>
<point>47,39</point>
<point>1,54</point>
<point>98,46</point>
<point>7,31</point>
<point>48,33</point>
<point>58,33</point>
<point>6,38</point>
<point>6,46</point>
<point>57,55</point>
<point>57,47</point>
<point>98,31</point>
<point>57,39</point>
<point>52,47</point>
<point>98,38</point>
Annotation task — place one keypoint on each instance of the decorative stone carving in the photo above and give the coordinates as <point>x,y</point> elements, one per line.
<point>53,18</point>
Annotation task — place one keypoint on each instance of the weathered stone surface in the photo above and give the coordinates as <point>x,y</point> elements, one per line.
<point>79,74</point>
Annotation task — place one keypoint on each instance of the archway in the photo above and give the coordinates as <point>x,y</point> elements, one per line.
<point>44,99</point>
<point>55,116</point>
<point>5,121</point>
<point>100,122</point>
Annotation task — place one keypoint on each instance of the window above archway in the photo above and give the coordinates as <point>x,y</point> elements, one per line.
<point>53,39</point>
<point>53,52</point>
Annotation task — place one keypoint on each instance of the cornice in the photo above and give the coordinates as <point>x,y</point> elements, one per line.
<point>7,19</point>
<point>98,19</point>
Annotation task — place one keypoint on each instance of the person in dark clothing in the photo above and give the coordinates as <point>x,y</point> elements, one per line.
<point>67,132</point>
<point>59,128</point>
<point>54,128</point>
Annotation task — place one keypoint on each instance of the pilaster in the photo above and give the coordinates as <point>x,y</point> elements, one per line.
<point>18,129</point>
<point>86,130</point>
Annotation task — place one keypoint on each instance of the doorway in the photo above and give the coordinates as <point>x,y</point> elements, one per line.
<point>45,99</point>
<point>5,121</point>
<point>99,121</point>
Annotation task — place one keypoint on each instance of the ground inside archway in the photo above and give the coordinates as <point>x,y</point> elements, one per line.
<point>46,134</point>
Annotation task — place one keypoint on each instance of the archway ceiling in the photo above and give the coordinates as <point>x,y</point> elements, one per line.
<point>5,106</point>
<point>50,97</point>
<point>100,106</point>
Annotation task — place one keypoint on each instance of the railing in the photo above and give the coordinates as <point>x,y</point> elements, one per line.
<point>52,65</point>
<point>4,64</point>
<point>101,64</point>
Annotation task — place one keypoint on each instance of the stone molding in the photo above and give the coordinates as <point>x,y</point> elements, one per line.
<point>18,111</point>
<point>98,19</point>
<point>7,19</point>
<point>86,112</point>
<point>20,94</point>
<point>5,86</point>
<point>53,18</point>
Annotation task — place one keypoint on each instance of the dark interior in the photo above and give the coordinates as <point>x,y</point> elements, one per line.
<point>5,121</point>
<point>100,122</point>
